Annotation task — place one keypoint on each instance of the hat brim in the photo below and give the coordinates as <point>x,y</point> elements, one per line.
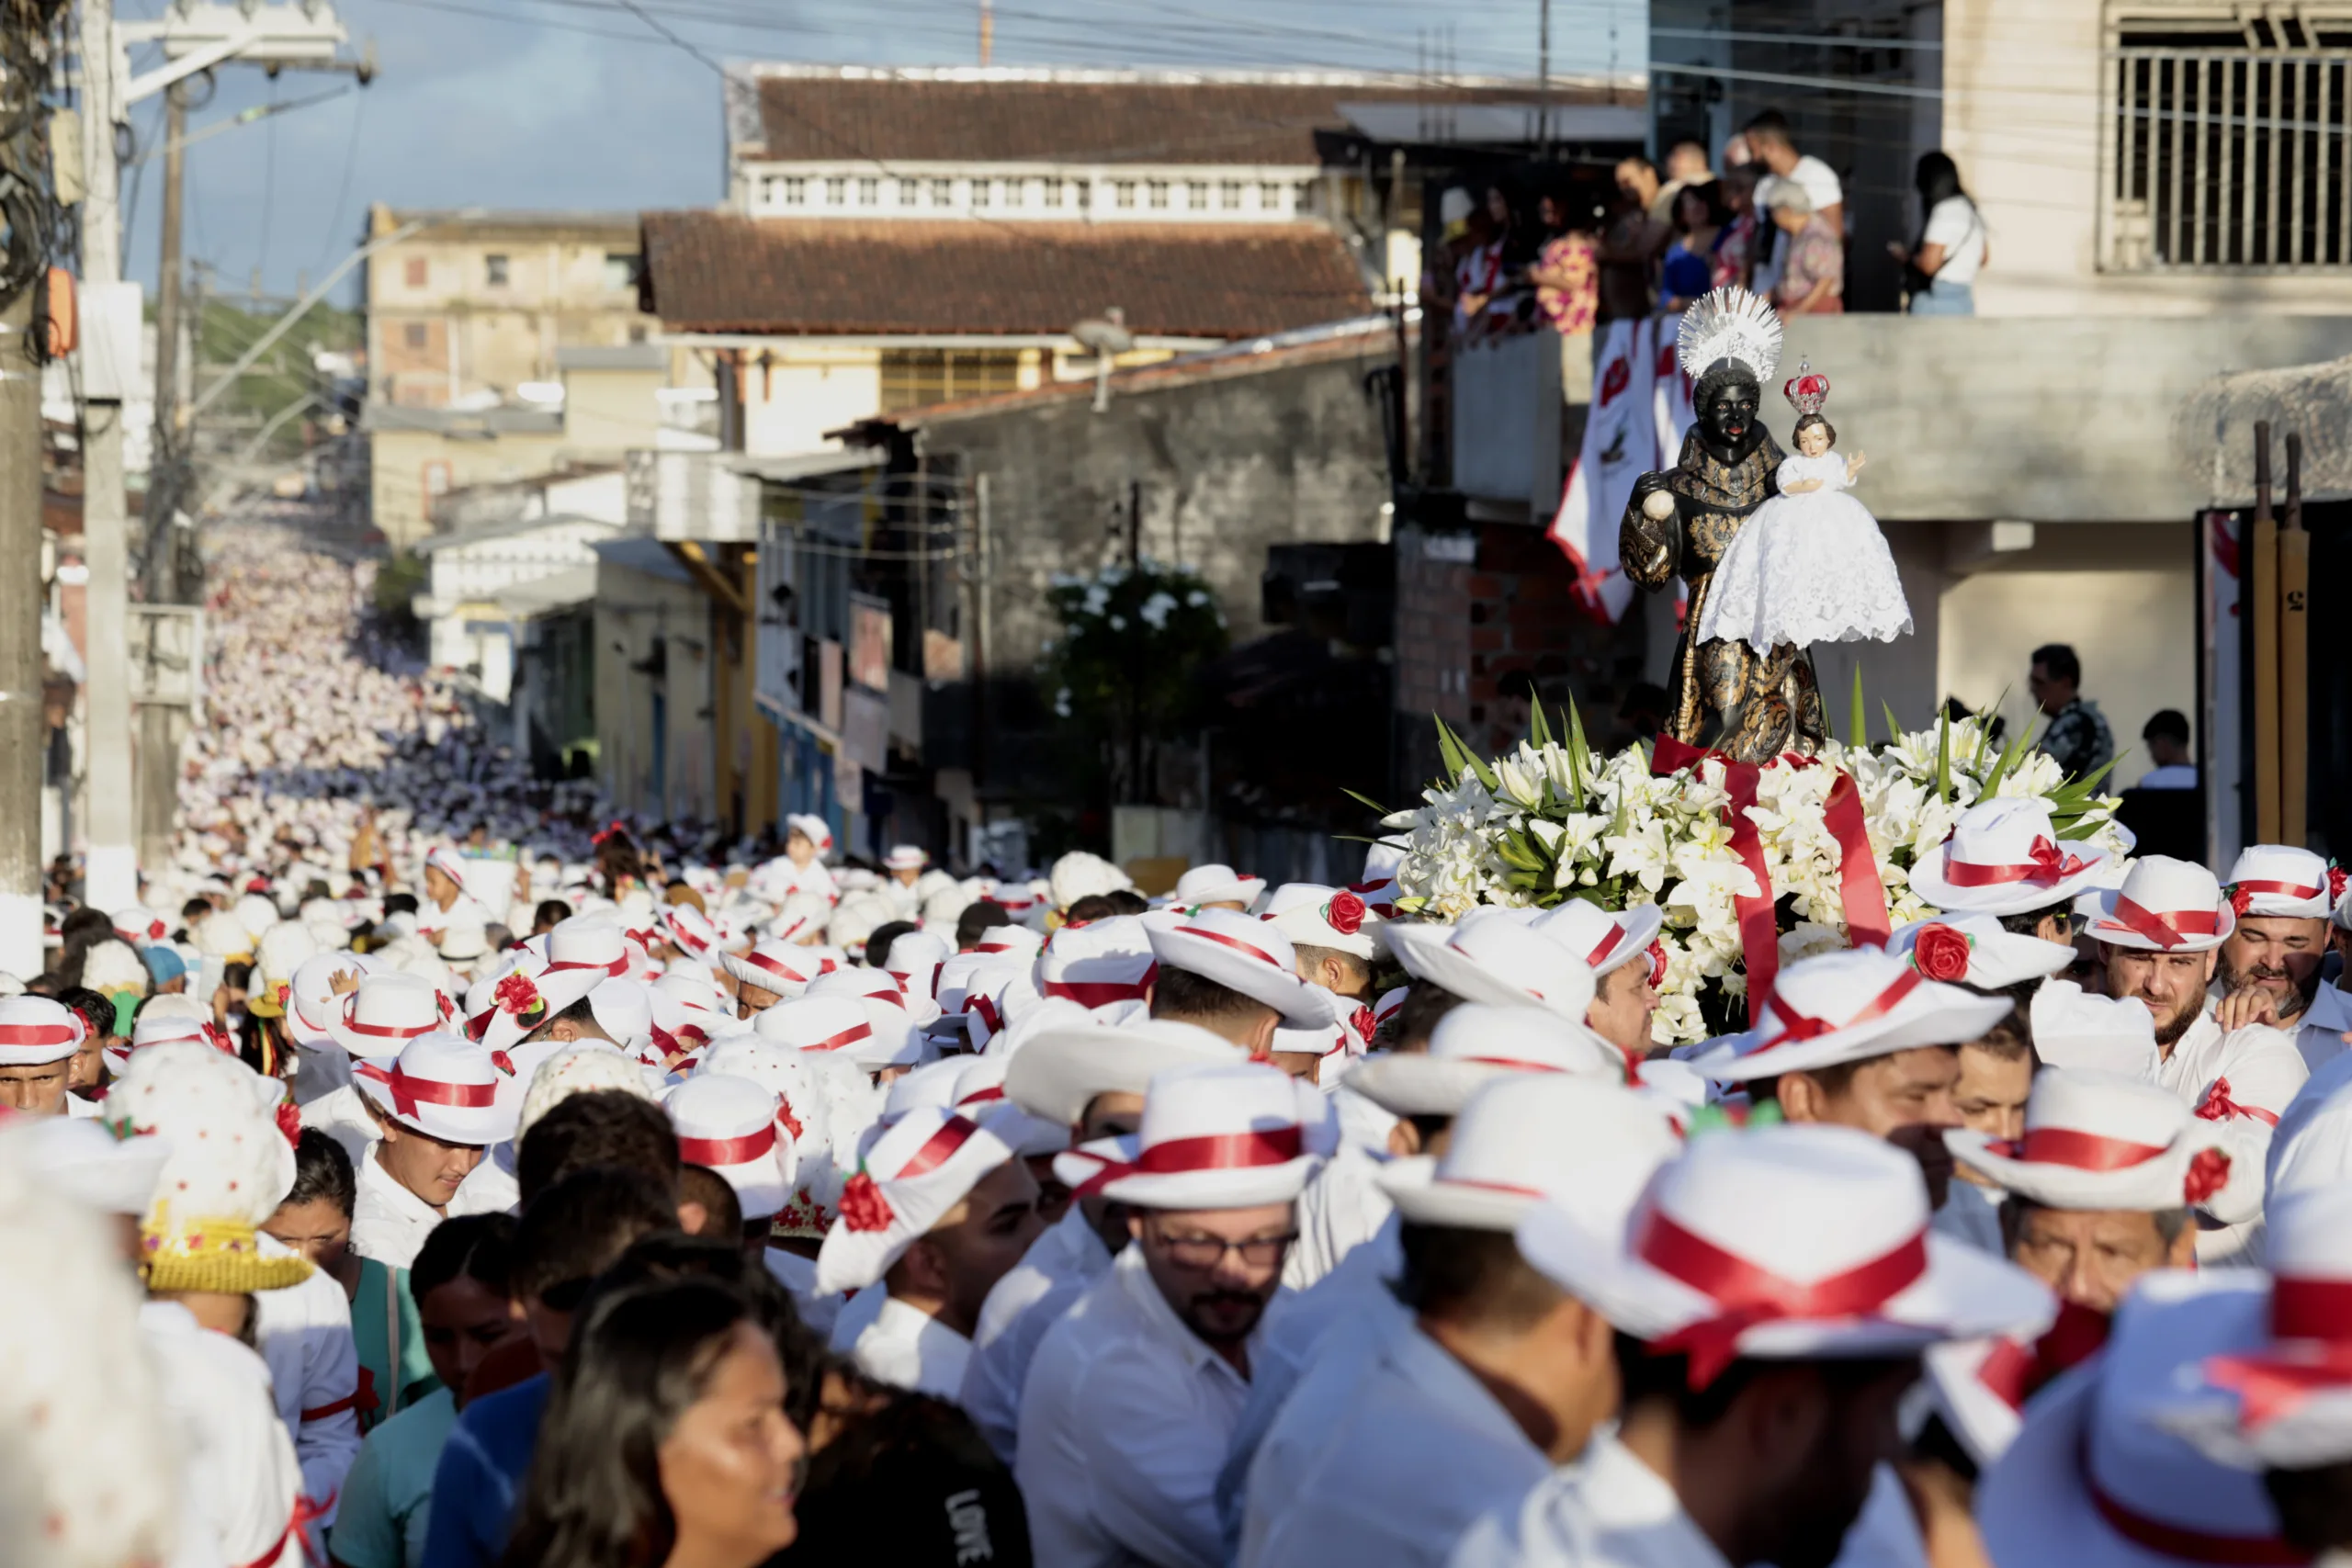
<point>471,1127</point>
<point>1417,1083</point>
<point>364,1048</point>
<point>1964,1293</point>
<point>1928,881</point>
<point>763,1186</point>
<point>1057,1073</point>
<point>1414,1186</point>
<point>1984,1423</point>
<point>1951,1018</point>
<point>1279,989</point>
<point>2316,1431</point>
<point>1423,950</point>
<point>1242,1187</point>
<point>1641,925</point>
<point>2034,1506</point>
<point>2152,1186</point>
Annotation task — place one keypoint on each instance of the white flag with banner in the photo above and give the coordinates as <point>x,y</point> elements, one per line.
<point>1670,403</point>
<point>1620,442</point>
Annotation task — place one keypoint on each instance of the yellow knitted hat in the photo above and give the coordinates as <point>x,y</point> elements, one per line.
<point>223,1256</point>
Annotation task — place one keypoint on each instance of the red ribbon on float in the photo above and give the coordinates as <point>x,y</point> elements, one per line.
<point>1859,888</point>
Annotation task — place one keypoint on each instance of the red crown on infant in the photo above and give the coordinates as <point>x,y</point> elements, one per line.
<point>1805,390</point>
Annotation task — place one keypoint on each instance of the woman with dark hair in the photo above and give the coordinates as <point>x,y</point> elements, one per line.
<point>1698,220</point>
<point>1939,272</point>
<point>665,1443</point>
<point>314,1219</point>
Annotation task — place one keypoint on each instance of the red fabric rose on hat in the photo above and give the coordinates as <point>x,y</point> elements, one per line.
<point>1344,913</point>
<point>289,1122</point>
<point>863,1207</point>
<point>2335,882</point>
<point>1942,953</point>
<point>2240,900</point>
<point>1657,965</point>
<point>784,1117</point>
<point>2208,1174</point>
<point>1363,1023</point>
<point>517,996</point>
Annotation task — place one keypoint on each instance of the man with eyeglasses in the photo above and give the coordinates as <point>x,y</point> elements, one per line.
<point>1133,1396</point>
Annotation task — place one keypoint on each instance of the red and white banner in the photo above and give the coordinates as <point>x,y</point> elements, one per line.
<point>1619,445</point>
<point>1670,403</point>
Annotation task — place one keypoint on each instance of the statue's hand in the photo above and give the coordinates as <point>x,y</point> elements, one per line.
<point>1651,484</point>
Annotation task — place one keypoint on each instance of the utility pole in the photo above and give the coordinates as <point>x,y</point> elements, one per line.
<point>23,723</point>
<point>988,31</point>
<point>1543,77</point>
<point>162,726</point>
<point>111,866</point>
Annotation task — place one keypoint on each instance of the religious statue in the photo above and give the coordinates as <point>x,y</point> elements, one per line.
<point>1723,693</point>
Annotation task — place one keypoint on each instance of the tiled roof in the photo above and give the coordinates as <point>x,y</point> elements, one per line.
<point>1071,120</point>
<point>717,272</point>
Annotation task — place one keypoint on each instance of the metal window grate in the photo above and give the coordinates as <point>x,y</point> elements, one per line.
<point>2227,160</point>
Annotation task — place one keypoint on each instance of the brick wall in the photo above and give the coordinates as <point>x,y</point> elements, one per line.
<point>1472,609</point>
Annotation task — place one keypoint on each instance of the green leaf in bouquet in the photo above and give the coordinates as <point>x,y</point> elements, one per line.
<point>1451,753</point>
<point>2089,783</point>
<point>1944,756</point>
<point>1366,800</point>
<point>1858,728</point>
<point>1579,757</point>
<point>2011,755</point>
<point>1893,730</point>
<point>1539,730</point>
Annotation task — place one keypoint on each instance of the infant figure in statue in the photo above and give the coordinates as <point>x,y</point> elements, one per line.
<point>1811,564</point>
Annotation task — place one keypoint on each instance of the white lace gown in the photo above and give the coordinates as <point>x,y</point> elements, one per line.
<point>1808,569</point>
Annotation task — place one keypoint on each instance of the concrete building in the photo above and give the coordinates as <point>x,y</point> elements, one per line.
<point>2160,211</point>
<point>654,658</point>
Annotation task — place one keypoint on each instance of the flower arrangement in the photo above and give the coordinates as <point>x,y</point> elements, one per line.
<point>1718,845</point>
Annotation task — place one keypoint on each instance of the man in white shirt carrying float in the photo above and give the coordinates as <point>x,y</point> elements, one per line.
<point>1763,1353</point>
<point>1134,1394</point>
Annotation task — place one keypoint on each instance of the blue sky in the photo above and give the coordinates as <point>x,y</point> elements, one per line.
<point>580,103</point>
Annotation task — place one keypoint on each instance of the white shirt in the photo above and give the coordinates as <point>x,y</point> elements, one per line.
<point>1886,1535</point>
<point>912,1349</point>
<point>1421,1451</point>
<point>798,1275</point>
<point>2262,1072</point>
<point>1028,1301</point>
<point>1340,1210</point>
<point>1819,182</point>
<point>1304,1371</point>
<point>240,1478</point>
<point>320,1070</point>
<point>1971,1216</point>
<point>2171,775</point>
<point>2319,1037</point>
<point>1960,229</point>
<point>341,1114</point>
<point>1124,1427</point>
<point>2313,1144</point>
<point>389,1222</point>
<point>1607,1510</point>
<point>490,1188</point>
<point>853,1317</point>
<point>303,1333</point>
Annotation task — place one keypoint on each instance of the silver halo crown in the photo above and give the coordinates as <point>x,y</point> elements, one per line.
<point>1733,325</point>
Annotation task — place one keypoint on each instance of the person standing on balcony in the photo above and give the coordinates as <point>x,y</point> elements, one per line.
<point>1698,220</point>
<point>1939,272</point>
<point>1813,264</point>
<point>1769,142</point>
<point>1567,290</point>
<point>2077,739</point>
<point>1632,245</point>
<point>1736,246</point>
<point>1686,165</point>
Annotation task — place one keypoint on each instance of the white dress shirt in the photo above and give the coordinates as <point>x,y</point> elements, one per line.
<point>853,1315</point>
<point>491,1187</point>
<point>319,1071</point>
<point>1607,1510</point>
<point>342,1115</point>
<point>1410,1464</point>
<point>2313,1143</point>
<point>1887,1534</point>
<point>1028,1301</point>
<point>2262,1070</point>
<point>1304,1371</point>
<point>389,1222</point>
<point>912,1349</point>
<point>2319,1037</point>
<point>1340,1210</point>
<point>1124,1427</point>
<point>798,1275</point>
<point>303,1333</point>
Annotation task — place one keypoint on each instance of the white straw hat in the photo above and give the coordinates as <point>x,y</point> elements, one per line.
<point>728,1124</point>
<point>1604,941</point>
<point>2163,905</point>
<point>385,1012</point>
<point>2279,879</point>
<point>1316,915</point>
<point>1493,955</point>
<point>1217,1135</point>
<point>1214,883</point>
<point>1583,1142</point>
<point>1245,954</point>
<point>35,1031</point>
<point>1786,1243</point>
<point>910,1177</point>
<point>1097,963</point>
<point>2073,1028</point>
<point>1848,1007</point>
<point>2099,1141</point>
<point>815,1024</point>
<point>1966,947</point>
<point>2004,857</point>
<point>1058,1071</point>
<point>781,967</point>
<point>443,1086</point>
<point>1472,1045</point>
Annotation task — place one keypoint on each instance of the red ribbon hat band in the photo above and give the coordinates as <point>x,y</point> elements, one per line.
<point>1212,1151</point>
<point>716,1152</point>
<point>849,1036</point>
<point>2303,1308</point>
<point>1239,946</point>
<point>1746,1295</point>
<point>408,1092</point>
<point>1102,993</point>
<point>2047,868</point>
<point>36,1034</point>
<point>1797,1026</point>
<point>2083,1151</point>
<point>2167,930</point>
<point>939,1148</point>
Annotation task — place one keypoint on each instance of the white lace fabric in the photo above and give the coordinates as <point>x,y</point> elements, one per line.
<point>1808,569</point>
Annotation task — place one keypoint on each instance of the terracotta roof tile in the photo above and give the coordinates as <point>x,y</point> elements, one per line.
<point>719,271</point>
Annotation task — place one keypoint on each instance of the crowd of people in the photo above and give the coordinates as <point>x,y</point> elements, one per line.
<point>1772,221</point>
<point>645,1200</point>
